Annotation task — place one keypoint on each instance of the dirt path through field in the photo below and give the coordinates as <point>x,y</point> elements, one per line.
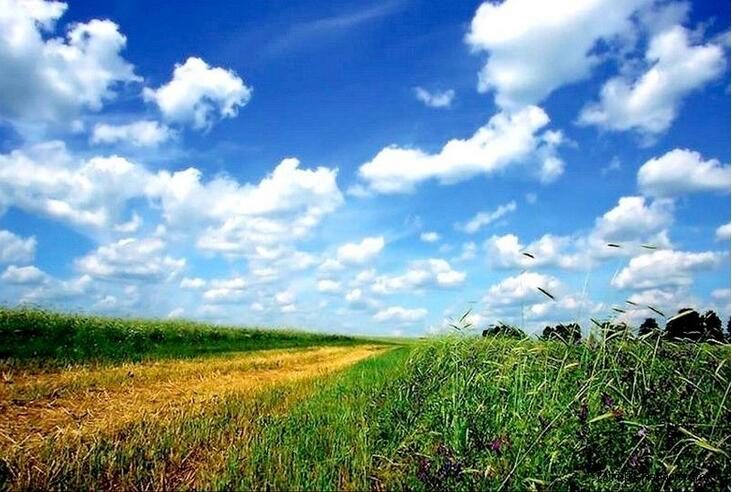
<point>35,407</point>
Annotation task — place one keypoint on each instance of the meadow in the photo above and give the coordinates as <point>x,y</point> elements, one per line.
<point>454,412</point>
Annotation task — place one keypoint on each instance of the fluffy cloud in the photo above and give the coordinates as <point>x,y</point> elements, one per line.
<point>435,99</point>
<point>507,139</point>
<point>569,307</point>
<point>507,252</point>
<point>650,103</point>
<point>286,300</point>
<point>637,225</point>
<point>49,289</point>
<point>632,220</point>
<point>482,219</point>
<point>243,219</point>
<point>682,171</point>
<point>420,274</point>
<point>27,275</point>
<point>15,249</point>
<point>221,214</point>
<point>328,286</point>
<point>145,133</point>
<point>523,287</point>
<point>400,314</point>
<point>429,237</point>
<point>131,259</point>
<point>357,300</point>
<point>667,300</point>
<point>359,253</point>
<point>722,233</point>
<point>285,297</point>
<point>45,179</point>
<point>52,79</point>
<point>665,268</point>
<point>198,94</point>
<point>192,283</point>
<point>225,290</point>
<point>534,47</point>
<point>226,216</point>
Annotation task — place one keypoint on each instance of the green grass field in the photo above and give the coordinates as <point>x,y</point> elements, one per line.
<point>48,337</point>
<point>455,413</point>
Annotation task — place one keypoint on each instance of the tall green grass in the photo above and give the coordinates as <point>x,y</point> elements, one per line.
<point>323,443</point>
<point>50,338</point>
<point>497,414</point>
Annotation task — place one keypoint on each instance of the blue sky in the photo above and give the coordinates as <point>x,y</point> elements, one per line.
<point>366,167</point>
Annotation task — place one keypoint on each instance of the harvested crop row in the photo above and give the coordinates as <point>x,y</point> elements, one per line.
<point>34,408</point>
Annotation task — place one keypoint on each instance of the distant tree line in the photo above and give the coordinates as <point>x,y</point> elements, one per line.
<point>686,325</point>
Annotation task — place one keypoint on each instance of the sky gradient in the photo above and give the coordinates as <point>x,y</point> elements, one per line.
<point>366,168</point>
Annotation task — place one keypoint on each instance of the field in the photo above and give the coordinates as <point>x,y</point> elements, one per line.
<point>183,406</point>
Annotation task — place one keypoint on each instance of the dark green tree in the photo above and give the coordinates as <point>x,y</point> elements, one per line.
<point>569,333</point>
<point>502,330</point>
<point>712,326</point>
<point>686,325</point>
<point>650,325</point>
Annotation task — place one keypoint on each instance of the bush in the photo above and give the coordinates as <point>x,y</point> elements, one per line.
<point>504,331</point>
<point>650,325</point>
<point>690,325</point>
<point>570,333</point>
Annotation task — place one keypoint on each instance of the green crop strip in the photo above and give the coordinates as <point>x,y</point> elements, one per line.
<point>31,336</point>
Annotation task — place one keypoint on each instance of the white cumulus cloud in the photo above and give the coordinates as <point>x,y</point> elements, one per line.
<point>434,272</point>
<point>507,251</point>
<point>192,283</point>
<point>665,268</point>
<point>723,232</point>
<point>429,237</point>
<point>131,259</point>
<point>650,103</point>
<point>361,252</point>
<point>633,219</point>
<point>27,275</point>
<point>199,94</point>
<point>45,179</point>
<point>239,219</point>
<point>328,286</point>
<point>507,139</point>
<point>225,290</point>
<point>15,249</point>
<point>533,48</point>
<point>400,314</point>
<point>523,287</point>
<point>44,78</point>
<point>144,133</point>
<point>682,171</point>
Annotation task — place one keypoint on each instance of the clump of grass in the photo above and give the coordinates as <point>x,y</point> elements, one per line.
<point>54,338</point>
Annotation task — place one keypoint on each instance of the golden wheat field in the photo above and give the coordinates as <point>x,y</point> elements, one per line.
<point>46,408</point>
